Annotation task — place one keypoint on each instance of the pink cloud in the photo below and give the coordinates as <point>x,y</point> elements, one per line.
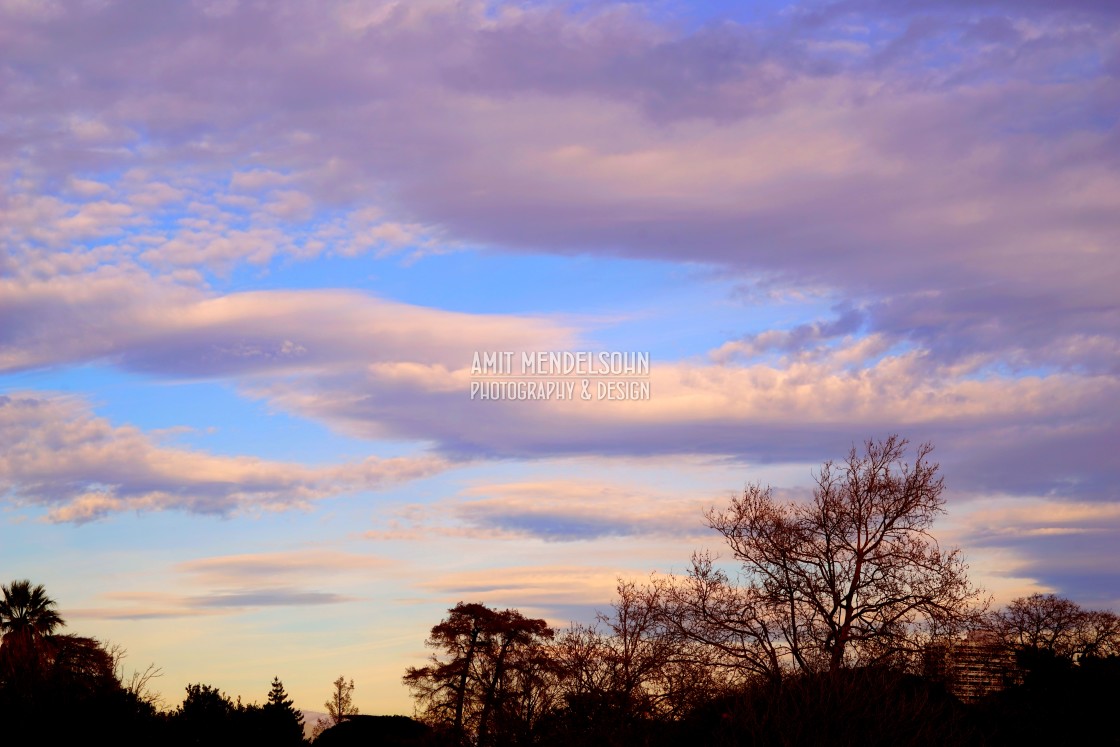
<point>922,187</point>
<point>82,468</point>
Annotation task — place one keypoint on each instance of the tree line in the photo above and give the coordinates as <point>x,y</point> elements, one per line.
<point>834,620</point>
<point>64,688</point>
<point>499,678</point>
<point>838,619</point>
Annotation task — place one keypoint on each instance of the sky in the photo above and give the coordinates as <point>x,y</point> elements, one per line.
<point>249,250</point>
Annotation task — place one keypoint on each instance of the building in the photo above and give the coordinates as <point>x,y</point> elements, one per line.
<point>974,666</point>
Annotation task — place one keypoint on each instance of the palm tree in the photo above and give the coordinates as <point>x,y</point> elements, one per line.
<point>27,610</point>
<point>27,617</point>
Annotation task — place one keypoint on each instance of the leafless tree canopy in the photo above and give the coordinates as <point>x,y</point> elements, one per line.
<point>1050,623</point>
<point>852,578</point>
<point>631,660</point>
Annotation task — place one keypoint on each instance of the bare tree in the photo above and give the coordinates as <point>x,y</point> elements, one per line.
<point>138,684</point>
<point>1100,634</point>
<point>853,577</point>
<point>736,629</point>
<point>631,662</point>
<point>1041,621</point>
<point>341,704</point>
<point>1046,622</point>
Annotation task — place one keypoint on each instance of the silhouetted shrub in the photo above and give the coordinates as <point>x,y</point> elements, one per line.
<point>377,731</point>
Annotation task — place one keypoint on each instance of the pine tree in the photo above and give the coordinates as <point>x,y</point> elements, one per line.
<point>283,722</point>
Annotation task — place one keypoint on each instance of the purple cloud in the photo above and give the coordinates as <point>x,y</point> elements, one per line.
<point>906,176</point>
<point>82,468</point>
<point>947,171</point>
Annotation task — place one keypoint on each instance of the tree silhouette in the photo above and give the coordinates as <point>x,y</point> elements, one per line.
<point>851,578</point>
<point>67,682</point>
<point>27,618</point>
<point>632,659</point>
<point>208,716</point>
<point>491,672</point>
<point>1059,627</point>
<point>26,609</point>
<point>628,674</point>
<point>282,723</point>
<point>341,705</point>
<point>1042,621</point>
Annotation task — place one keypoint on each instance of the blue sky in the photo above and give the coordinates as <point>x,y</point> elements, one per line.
<point>247,253</point>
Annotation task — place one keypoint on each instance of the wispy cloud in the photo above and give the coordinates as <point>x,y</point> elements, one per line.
<point>533,587</point>
<point>555,511</point>
<point>81,468</point>
<point>1063,542</point>
<point>304,565</point>
<point>157,326</point>
<point>235,584</point>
